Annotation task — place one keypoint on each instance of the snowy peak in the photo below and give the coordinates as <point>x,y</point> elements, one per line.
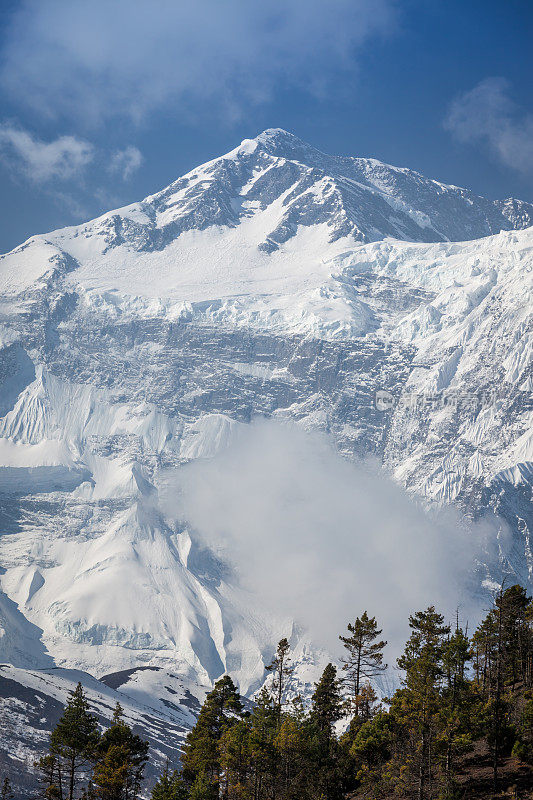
<point>260,233</point>
<point>361,198</point>
<point>282,143</point>
<point>273,186</point>
<point>412,191</point>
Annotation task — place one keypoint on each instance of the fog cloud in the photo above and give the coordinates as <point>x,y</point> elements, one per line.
<point>322,539</point>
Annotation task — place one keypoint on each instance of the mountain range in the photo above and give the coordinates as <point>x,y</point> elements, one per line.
<point>275,281</point>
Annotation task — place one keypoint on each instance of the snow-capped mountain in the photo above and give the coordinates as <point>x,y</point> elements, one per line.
<point>278,281</point>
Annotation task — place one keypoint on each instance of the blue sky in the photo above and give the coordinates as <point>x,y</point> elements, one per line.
<point>105,102</point>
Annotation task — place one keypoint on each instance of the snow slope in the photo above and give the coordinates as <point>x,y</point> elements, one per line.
<point>159,706</point>
<point>275,280</point>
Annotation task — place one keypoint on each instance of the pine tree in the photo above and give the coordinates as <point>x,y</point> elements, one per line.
<point>515,634</point>
<point>459,707</point>
<point>121,758</point>
<point>369,704</point>
<point>485,651</point>
<point>72,743</point>
<point>365,654</point>
<point>417,704</point>
<point>201,755</point>
<point>170,786</point>
<point>523,747</point>
<point>326,708</point>
<point>368,707</point>
<point>50,778</point>
<point>293,748</point>
<point>528,677</point>
<point>372,749</point>
<point>234,749</point>
<point>202,788</point>
<point>281,668</point>
<point>264,757</point>
<point>111,773</point>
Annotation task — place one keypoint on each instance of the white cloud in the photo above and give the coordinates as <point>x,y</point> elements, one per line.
<point>63,158</point>
<point>487,114</point>
<point>321,539</point>
<point>126,162</point>
<point>99,60</point>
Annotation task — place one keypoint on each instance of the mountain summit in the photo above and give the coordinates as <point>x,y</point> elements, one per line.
<point>275,208</point>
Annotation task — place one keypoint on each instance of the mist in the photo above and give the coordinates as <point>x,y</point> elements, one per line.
<point>320,539</point>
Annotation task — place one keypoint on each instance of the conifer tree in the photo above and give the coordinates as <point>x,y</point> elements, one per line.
<point>365,654</point>
<point>281,668</point>
<point>72,744</point>
<point>459,707</point>
<point>419,700</point>
<point>523,747</point>
<point>372,749</point>
<point>202,788</point>
<point>294,748</point>
<point>201,755</point>
<point>265,760</point>
<point>121,758</point>
<point>515,633</point>
<point>170,786</point>
<point>369,704</point>
<point>234,749</point>
<point>485,651</point>
<point>326,708</point>
<point>50,778</point>
<point>281,751</point>
<point>510,645</point>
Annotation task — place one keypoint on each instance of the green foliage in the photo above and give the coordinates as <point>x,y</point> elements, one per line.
<point>170,786</point>
<point>77,730</point>
<point>523,746</point>
<point>516,635</point>
<point>372,749</point>
<point>281,669</point>
<point>73,744</point>
<point>201,758</point>
<point>365,654</point>
<point>121,756</point>
<point>326,707</point>
<point>49,777</point>
<point>203,788</point>
<point>458,698</point>
<point>326,710</point>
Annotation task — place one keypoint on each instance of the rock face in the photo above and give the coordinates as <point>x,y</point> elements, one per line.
<point>275,280</point>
